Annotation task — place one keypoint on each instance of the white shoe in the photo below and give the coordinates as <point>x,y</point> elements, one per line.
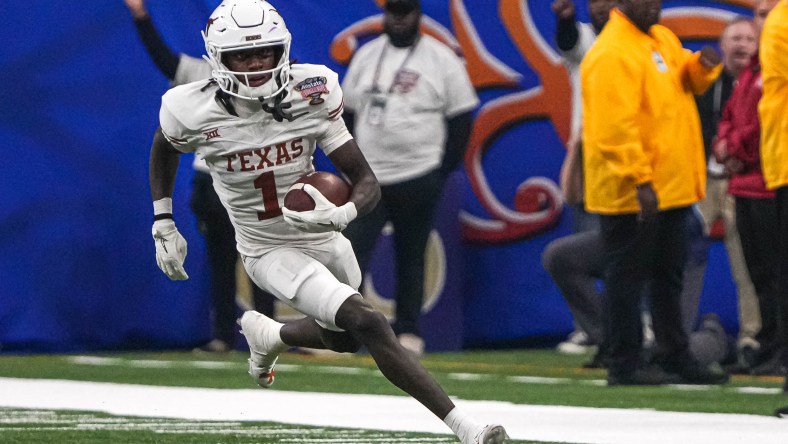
<point>412,343</point>
<point>491,434</point>
<point>577,343</point>
<point>263,355</point>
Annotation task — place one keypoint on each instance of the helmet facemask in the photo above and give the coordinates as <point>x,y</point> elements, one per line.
<point>242,25</point>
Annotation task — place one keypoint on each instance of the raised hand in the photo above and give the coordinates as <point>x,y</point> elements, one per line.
<point>564,9</point>
<point>137,8</point>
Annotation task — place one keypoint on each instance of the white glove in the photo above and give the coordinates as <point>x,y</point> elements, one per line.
<point>325,217</point>
<point>170,249</point>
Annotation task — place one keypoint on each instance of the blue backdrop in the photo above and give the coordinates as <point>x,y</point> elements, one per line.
<point>80,101</point>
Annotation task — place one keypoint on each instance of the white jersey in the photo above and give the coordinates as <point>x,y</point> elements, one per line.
<point>191,69</point>
<point>254,159</point>
<point>420,87</point>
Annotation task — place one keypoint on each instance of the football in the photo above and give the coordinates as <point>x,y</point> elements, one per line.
<point>330,185</point>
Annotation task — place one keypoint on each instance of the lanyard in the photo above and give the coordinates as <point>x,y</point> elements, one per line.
<point>717,98</point>
<point>375,80</point>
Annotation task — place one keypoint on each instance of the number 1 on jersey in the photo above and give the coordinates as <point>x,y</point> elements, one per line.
<point>266,183</point>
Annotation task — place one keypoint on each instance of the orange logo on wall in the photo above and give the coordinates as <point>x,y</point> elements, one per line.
<point>537,203</point>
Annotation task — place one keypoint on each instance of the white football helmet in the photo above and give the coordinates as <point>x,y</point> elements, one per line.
<point>244,24</point>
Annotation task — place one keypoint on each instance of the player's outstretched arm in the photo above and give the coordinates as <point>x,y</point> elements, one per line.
<point>170,245</point>
<point>162,55</point>
<point>349,160</point>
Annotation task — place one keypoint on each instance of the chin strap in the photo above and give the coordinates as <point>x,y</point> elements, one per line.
<point>278,110</point>
<point>221,97</point>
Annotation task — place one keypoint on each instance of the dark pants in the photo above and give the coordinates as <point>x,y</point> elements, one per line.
<point>638,254</point>
<point>576,263</point>
<point>781,199</point>
<point>756,220</point>
<point>215,226</point>
<point>410,207</point>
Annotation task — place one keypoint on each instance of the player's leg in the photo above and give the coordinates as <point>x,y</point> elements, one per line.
<point>315,290</point>
<point>278,273</point>
<point>301,281</point>
<point>403,369</point>
<point>268,338</point>
<point>397,365</point>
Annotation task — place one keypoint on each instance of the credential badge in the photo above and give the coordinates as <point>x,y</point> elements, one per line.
<point>659,61</point>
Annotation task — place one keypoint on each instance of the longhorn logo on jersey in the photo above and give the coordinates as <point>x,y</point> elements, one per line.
<point>312,88</point>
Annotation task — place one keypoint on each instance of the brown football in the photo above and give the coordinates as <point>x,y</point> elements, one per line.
<point>330,185</point>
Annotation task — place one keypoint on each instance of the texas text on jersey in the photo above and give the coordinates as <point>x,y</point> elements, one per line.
<point>255,156</point>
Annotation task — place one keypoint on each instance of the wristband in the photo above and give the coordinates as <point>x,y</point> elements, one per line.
<point>162,216</point>
<point>163,205</point>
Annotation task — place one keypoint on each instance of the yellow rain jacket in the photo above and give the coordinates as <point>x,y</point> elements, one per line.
<point>773,107</point>
<point>640,121</point>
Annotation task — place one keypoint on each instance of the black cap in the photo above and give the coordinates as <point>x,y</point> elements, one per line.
<point>402,6</point>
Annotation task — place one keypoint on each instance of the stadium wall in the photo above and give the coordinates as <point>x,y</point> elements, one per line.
<point>80,102</point>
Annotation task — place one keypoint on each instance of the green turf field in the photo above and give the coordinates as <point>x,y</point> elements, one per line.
<point>523,377</point>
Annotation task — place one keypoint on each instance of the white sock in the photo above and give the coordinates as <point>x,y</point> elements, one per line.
<point>462,425</point>
<point>274,338</point>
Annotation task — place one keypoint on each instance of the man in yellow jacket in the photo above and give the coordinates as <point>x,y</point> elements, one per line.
<point>774,145</point>
<point>644,168</point>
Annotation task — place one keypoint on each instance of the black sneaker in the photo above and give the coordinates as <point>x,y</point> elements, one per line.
<point>693,372</point>
<point>771,367</point>
<point>781,413</point>
<point>748,356</point>
<point>646,375</point>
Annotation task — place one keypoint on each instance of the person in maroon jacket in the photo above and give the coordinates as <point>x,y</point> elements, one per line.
<point>738,148</point>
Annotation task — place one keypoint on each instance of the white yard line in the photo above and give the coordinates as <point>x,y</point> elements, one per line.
<point>400,413</point>
<point>339,370</point>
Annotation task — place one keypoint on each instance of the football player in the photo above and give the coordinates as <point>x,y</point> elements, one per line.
<point>257,123</point>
